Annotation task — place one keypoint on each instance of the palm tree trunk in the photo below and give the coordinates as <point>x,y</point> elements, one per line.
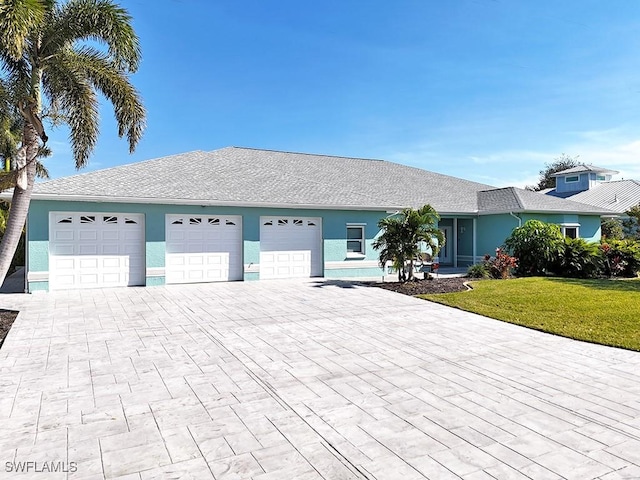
<point>19,203</point>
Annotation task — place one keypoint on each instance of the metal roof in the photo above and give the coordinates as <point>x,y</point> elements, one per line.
<point>617,195</point>
<point>585,168</point>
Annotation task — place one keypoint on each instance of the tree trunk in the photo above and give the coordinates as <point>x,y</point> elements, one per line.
<point>19,203</point>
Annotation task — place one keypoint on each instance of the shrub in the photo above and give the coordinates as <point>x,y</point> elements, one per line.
<point>499,266</point>
<point>579,259</point>
<point>536,245</point>
<point>478,270</point>
<point>612,229</point>
<point>502,264</point>
<point>621,257</point>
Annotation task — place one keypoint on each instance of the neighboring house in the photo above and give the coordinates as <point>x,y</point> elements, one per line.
<point>593,186</point>
<point>247,214</point>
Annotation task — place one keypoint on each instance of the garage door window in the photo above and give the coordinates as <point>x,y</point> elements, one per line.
<point>355,240</point>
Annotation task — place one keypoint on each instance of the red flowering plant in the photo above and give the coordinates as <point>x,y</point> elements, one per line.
<point>501,265</point>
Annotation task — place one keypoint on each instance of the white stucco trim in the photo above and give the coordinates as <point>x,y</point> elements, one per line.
<point>37,276</point>
<point>351,264</point>
<point>155,272</point>
<point>251,268</point>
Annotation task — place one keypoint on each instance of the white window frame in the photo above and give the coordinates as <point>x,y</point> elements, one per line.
<point>565,226</point>
<point>572,179</point>
<point>362,240</point>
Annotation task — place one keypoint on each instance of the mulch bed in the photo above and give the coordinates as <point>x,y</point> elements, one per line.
<point>419,287</point>
<point>6,320</point>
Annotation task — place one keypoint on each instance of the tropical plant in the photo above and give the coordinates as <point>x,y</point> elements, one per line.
<point>621,257</point>
<point>403,235</point>
<point>612,229</point>
<point>631,224</point>
<point>502,264</point>
<point>54,61</point>
<point>536,245</point>
<point>479,270</point>
<point>579,259</point>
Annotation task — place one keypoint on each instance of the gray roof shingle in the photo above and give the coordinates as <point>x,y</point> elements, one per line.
<point>245,176</point>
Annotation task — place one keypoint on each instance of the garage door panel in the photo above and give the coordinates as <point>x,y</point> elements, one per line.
<point>203,248</point>
<point>63,235</point>
<point>89,250</point>
<point>290,247</point>
<point>111,235</point>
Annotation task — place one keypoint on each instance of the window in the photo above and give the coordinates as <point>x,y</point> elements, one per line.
<point>601,178</point>
<point>572,179</point>
<point>570,231</point>
<point>355,240</point>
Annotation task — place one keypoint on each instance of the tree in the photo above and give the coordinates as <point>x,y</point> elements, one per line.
<point>611,229</point>
<point>547,180</point>
<point>631,225</point>
<point>54,61</point>
<point>402,236</point>
<point>536,245</point>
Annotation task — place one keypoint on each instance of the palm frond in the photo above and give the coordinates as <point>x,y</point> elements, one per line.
<point>115,86</point>
<point>101,21</point>
<point>41,171</point>
<point>77,101</point>
<point>18,18</point>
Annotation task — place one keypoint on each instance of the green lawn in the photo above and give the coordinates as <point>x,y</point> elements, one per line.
<point>599,311</point>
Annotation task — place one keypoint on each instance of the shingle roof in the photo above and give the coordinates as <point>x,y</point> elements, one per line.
<point>245,176</point>
<point>618,195</point>
<point>585,168</point>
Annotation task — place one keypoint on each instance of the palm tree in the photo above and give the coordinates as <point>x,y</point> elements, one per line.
<point>51,54</point>
<point>403,236</point>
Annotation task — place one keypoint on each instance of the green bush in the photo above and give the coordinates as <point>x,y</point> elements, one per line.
<point>537,246</point>
<point>579,259</point>
<point>612,229</point>
<point>621,257</point>
<point>479,270</point>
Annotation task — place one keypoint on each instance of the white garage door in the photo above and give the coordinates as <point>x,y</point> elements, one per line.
<point>203,248</point>
<point>290,247</point>
<point>89,250</point>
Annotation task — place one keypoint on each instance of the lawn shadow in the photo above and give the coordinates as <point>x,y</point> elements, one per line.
<point>617,284</point>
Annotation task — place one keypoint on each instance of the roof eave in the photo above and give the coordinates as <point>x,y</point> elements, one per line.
<point>206,202</point>
<point>570,212</point>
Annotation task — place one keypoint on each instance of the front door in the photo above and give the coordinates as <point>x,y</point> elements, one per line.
<point>445,252</point>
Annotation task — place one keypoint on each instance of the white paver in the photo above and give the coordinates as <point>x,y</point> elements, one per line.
<point>304,379</point>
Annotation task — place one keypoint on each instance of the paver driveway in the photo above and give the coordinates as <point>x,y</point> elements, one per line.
<point>304,380</point>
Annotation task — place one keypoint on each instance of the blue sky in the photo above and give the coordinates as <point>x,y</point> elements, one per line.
<point>487,90</point>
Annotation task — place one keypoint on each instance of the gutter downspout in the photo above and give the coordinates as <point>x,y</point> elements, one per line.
<point>517,218</point>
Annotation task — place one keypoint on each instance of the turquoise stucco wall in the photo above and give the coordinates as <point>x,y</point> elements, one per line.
<point>493,230</point>
<point>334,224</point>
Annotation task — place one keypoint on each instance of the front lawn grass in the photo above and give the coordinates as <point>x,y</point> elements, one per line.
<point>599,311</point>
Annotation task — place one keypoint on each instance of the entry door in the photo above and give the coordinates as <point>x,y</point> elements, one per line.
<point>445,253</point>
<point>290,247</point>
